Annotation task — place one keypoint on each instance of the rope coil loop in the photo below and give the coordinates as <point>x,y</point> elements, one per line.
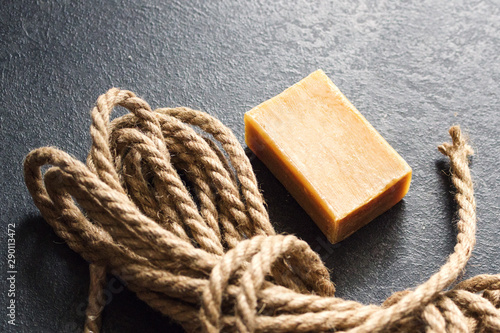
<point>178,216</point>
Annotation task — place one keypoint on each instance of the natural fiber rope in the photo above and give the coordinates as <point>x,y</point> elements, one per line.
<point>205,254</point>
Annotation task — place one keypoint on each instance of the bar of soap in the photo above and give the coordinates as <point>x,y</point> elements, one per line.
<point>327,155</point>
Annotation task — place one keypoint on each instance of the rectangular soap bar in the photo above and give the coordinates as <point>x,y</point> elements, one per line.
<point>327,155</point>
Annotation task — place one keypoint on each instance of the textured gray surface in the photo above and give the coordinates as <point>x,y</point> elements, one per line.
<point>413,68</point>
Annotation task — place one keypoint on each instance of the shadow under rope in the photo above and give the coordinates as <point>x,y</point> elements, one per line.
<point>447,200</point>
<point>52,279</point>
<point>53,283</point>
<point>371,250</point>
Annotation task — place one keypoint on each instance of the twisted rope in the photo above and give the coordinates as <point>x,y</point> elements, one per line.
<point>185,226</point>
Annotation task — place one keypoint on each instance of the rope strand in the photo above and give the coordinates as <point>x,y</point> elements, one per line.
<point>184,225</point>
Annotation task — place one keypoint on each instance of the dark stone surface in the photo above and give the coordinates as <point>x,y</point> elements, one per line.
<point>413,68</point>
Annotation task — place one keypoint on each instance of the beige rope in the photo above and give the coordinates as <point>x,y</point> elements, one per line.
<point>160,206</point>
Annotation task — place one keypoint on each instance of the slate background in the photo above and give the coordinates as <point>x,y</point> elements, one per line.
<point>413,68</point>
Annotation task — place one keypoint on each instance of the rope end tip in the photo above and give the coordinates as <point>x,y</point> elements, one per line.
<point>459,142</point>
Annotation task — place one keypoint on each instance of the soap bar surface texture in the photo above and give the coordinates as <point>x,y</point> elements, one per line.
<point>327,155</point>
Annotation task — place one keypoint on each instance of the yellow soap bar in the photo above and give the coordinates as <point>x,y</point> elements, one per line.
<point>327,155</point>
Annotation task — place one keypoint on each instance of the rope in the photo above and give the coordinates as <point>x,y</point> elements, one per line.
<point>178,216</point>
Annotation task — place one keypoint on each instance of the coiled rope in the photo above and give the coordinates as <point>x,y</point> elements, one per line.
<point>160,206</point>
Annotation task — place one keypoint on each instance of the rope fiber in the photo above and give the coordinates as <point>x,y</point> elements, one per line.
<point>178,216</point>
